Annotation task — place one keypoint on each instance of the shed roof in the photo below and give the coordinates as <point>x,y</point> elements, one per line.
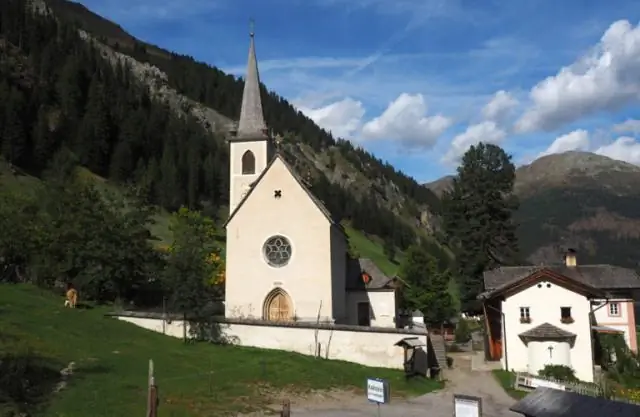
<point>549,402</point>
<point>546,331</point>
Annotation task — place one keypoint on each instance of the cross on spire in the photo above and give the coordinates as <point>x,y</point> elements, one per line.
<point>252,26</point>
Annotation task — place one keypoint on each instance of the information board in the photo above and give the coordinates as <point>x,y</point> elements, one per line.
<point>378,390</point>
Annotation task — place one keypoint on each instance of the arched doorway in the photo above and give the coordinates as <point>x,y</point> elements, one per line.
<point>277,306</point>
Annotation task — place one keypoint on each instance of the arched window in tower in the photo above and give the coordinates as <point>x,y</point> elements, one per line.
<point>248,163</point>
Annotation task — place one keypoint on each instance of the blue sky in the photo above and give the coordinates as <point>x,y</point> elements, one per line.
<point>418,81</point>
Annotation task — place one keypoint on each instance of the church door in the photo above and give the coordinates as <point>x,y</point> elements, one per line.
<point>278,307</point>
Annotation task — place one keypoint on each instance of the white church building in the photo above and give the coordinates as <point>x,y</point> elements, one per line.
<point>290,283</point>
<point>286,257</point>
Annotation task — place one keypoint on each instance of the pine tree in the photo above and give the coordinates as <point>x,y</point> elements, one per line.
<point>478,217</point>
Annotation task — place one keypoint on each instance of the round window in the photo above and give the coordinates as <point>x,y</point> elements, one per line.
<point>277,251</point>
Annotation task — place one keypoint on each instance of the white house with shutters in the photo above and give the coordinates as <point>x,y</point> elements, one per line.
<point>549,315</point>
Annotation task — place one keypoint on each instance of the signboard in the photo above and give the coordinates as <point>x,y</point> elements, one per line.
<point>378,391</point>
<point>467,406</point>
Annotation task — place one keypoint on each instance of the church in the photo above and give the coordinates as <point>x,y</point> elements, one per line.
<point>286,257</point>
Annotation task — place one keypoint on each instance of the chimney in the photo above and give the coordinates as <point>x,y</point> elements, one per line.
<point>570,258</point>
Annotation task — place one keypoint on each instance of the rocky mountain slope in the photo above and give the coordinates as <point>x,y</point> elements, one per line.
<point>577,199</point>
<point>316,154</point>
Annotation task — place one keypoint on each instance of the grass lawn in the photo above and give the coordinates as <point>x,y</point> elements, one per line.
<point>372,249</point>
<point>506,379</point>
<point>111,359</point>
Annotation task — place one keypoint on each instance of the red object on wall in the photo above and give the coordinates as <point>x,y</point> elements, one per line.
<point>365,278</point>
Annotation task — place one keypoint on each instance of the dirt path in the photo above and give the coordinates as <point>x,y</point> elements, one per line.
<point>495,402</point>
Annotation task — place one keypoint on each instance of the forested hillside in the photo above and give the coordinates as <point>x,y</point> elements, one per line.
<point>64,91</point>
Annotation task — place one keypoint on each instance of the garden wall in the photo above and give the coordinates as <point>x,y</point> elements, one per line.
<point>368,346</point>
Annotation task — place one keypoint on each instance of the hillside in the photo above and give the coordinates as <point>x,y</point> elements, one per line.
<point>109,358</point>
<point>577,199</point>
<point>355,185</point>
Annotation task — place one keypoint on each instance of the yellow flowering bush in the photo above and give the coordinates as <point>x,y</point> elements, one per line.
<point>631,394</point>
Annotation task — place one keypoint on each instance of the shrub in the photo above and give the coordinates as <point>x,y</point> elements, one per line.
<point>559,372</point>
<point>463,332</point>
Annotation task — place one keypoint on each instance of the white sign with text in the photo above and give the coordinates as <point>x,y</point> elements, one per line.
<point>377,390</point>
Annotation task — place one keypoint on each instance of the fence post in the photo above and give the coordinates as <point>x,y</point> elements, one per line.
<point>152,395</point>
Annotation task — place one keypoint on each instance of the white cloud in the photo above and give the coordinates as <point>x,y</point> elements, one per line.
<point>499,107</point>
<point>342,118</point>
<point>578,140</point>
<point>628,126</point>
<point>487,132</point>
<point>405,120</point>
<point>605,79</point>
<point>624,149</point>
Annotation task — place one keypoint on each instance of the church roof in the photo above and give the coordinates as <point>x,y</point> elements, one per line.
<point>298,179</point>
<point>251,124</point>
<point>377,280</point>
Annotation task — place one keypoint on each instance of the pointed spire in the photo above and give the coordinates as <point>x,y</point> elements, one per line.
<point>251,124</point>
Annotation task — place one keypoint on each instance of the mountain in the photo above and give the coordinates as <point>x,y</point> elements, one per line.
<point>134,112</point>
<point>577,199</point>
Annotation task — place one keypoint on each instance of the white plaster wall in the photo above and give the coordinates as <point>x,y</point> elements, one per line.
<point>538,353</point>
<point>383,307</point>
<point>307,278</point>
<point>544,304</point>
<point>239,183</point>
<point>366,348</point>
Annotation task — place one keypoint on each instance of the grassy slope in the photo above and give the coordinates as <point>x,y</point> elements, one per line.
<point>368,247</point>
<point>111,359</point>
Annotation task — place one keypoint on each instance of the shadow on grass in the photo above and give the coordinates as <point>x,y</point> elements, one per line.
<point>26,381</point>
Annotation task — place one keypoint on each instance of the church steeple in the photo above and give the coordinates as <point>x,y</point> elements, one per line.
<point>251,124</point>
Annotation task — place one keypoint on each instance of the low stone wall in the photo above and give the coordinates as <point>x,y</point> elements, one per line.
<point>368,346</point>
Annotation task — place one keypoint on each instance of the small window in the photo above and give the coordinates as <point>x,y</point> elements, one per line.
<point>248,163</point>
<point>565,315</point>
<point>614,309</point>
<point>525,316</point>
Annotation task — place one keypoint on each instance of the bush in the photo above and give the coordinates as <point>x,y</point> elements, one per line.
<point>463,332</point>
<point>559,372</point>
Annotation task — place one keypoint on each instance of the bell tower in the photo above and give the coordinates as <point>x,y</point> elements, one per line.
<point>250,146</point>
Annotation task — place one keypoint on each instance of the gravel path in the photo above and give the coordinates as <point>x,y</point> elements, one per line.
<point>495,402</point>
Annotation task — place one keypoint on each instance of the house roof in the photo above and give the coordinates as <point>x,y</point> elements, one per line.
<point>546,331</point>
<point>300,182</point>
<point>549,402</point>
<point>355,269</point>
<point>510,281</point>
<point>597,276</point>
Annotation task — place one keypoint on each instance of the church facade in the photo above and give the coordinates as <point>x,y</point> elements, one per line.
<point>286,257</point>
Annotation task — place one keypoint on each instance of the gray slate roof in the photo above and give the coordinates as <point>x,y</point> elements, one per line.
<point>549,402</point>
<point>546,331</point>
<point>251,124</point>
<point>355,268</point>
<point>604,277</point>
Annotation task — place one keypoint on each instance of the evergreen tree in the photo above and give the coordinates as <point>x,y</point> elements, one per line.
<point>478,217</point>
<point>427,287</point>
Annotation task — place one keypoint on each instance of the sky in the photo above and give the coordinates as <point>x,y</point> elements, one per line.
<point>416,82</point>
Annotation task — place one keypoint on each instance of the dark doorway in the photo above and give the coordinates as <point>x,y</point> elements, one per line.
<point>364,314</point>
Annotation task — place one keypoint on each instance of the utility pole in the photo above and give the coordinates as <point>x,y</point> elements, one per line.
<point>152,395</point>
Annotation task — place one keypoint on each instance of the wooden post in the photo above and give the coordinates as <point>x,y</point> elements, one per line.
<point>152,395</point>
